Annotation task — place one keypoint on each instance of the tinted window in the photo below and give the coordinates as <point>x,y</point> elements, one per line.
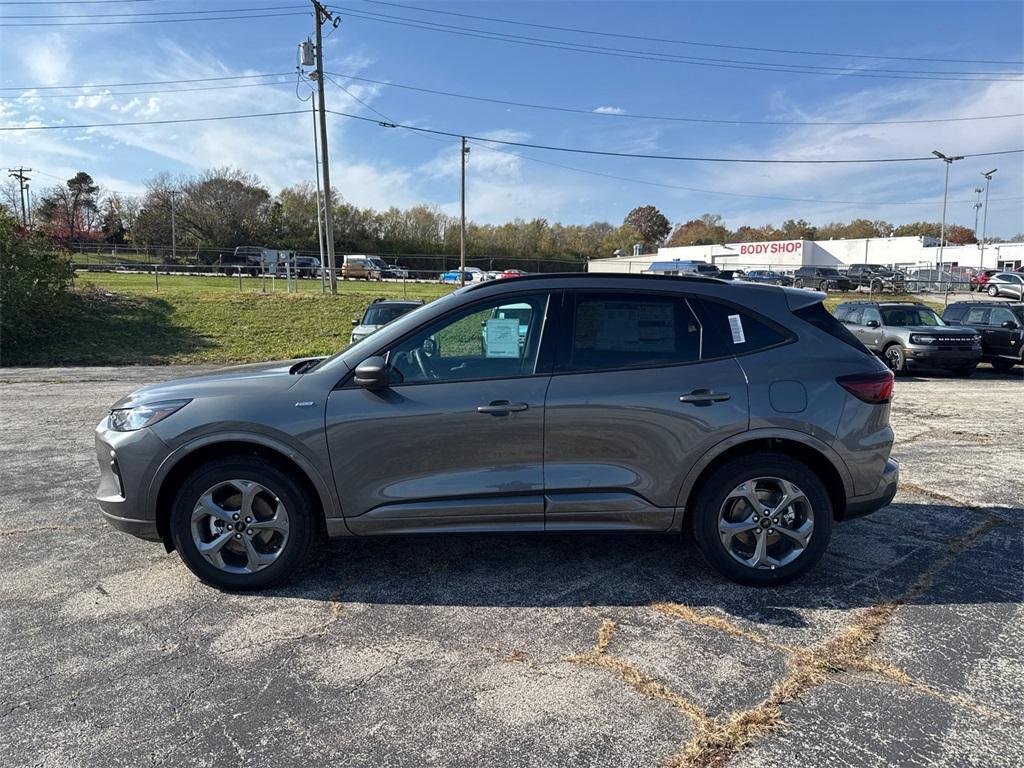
<point>614,330</point>
<point>477,343</point>
<point>841,313</point>
<point>828,272</point>
<point>954,314</point>
<point>1000,316</point>
<point>977,316</point>
<point>733,331</point>
<point>818,316</point>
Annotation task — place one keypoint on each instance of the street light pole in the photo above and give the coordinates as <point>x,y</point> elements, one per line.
<point>948,160</point>
<point>977,208</point>
<point>984,220</point>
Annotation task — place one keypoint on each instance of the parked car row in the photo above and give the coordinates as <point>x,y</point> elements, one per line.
<point>909,336</point>
<point>477,275</point>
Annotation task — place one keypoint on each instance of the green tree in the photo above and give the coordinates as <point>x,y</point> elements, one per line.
<point>72,210</point>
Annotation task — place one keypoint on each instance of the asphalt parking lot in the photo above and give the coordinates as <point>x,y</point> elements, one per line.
<point>904,647</point>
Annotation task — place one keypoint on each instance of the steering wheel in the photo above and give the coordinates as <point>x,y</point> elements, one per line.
<point>423,364</point>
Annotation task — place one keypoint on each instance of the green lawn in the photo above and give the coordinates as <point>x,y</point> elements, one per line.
<point>117,319</point>
<point>121,319</point>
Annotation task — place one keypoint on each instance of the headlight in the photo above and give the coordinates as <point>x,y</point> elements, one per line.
<point>131,419</point>
<point>916,339</point>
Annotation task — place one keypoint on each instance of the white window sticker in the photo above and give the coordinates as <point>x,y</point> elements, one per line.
<point>501,338</point>
<point>736,326</point>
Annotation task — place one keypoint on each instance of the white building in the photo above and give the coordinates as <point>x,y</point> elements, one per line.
<point>788,255</point>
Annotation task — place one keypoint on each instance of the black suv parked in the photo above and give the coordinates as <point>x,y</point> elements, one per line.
<point>1001,327</point>
<point>821,279</point>
<point>876,278</point>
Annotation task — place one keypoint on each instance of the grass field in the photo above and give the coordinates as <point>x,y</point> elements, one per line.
<point>120,319</point>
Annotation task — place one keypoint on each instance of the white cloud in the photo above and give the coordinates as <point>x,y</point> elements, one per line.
<point>610,111</point>
<point>92,100</point>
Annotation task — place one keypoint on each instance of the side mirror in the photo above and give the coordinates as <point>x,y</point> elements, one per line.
<point>872,324</point>
<point>355,322</point>
<point>1009,324</point>
<point>372,373</point>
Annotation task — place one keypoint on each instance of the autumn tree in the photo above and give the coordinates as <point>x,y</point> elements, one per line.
<point>707,230</point>
<point>71,210</point>
<point>958,235</point>
<point>650,223</point>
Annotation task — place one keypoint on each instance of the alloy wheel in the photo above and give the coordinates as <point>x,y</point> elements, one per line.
<point>894,358</point>
<point>240,526</point>
<point>766,523</point>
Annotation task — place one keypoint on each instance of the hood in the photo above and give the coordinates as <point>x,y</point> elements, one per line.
<point>942,330</point>
<point>270,377</point>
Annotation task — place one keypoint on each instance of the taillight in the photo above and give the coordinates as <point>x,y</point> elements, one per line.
<point>874,388</point>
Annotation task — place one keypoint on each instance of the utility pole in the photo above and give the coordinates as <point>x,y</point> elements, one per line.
<point>322,15</point>
<point>462,230</point>
<point>174,230</point>
<point>319,219</point>
<point>948,160</point>
<point>984,221</point>
<point>19,174</point>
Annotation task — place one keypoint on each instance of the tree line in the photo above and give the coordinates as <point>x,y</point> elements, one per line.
<point>224,208</point>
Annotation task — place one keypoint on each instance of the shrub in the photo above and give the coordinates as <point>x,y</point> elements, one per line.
<point>34,281</point>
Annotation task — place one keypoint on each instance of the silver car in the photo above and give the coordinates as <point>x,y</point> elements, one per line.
<point>744,414</point>
<point>378,314</point>
<point>1009,284</point>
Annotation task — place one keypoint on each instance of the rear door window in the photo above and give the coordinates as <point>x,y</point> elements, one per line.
<point>610,331</point>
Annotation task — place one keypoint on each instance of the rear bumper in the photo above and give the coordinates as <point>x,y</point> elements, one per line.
<point>882,496</point>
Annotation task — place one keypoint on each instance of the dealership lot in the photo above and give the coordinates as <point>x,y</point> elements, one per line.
<point>905,646</point>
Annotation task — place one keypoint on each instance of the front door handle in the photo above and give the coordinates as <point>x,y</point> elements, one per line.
<point>501,408</point>
<point>704,397</point>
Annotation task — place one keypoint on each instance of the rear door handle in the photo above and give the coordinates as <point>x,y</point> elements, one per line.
<point>704,397</point>
<point>501,408</point>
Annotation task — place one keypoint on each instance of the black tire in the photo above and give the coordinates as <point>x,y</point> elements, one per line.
<point>1003,365</point>
<point>293,494</point>
<point>823,286</point>
<point>717,487</point>
<point>965,372</point>
<point>895,359</point>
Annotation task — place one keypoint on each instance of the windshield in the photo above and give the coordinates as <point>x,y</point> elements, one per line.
<point>377,315</point>
<point>905,316</point>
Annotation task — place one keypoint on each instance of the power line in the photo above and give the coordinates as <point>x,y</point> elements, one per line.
<point>716,121</point>
<point>152,122</point>
<point>691,42</point>
<point>152,21</point>
<point>158,13</point>
<point>141,82</point>
<point>106,93</point>
<point>664,185</point>
<point>527,145</point>
<point>665,57</point>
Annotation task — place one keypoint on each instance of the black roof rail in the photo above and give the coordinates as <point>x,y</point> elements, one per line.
<point>876,303</point>
<point>594,275</point>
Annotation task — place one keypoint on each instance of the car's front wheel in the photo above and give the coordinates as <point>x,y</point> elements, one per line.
<point>763,520</point>
<point>895,359</point>
<point>993,291</point>
<point>1002,364</point>
<point>241,523</point>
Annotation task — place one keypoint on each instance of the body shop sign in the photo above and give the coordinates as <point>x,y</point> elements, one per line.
<point>752,249</point>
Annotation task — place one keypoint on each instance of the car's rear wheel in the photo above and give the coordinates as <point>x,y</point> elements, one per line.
<point>241,523</point>
<point>823,286</point>
<point>894,358</point>
<point>993,291</point>
<point>1003,365</point>
<point>964,371</point>
<point>762,519</point>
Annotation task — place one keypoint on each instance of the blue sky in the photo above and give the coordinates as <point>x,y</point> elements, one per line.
<point>372,166</point>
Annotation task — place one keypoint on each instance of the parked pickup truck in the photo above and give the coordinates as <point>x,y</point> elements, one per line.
<point>876,278</point>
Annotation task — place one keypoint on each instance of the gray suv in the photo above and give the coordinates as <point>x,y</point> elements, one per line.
<point>741,413</point>
<point>910,336</point>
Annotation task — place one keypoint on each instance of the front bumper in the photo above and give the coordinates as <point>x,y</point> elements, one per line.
<point>882,496</point>
<point>128,461</point>
<point>921,356</point>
